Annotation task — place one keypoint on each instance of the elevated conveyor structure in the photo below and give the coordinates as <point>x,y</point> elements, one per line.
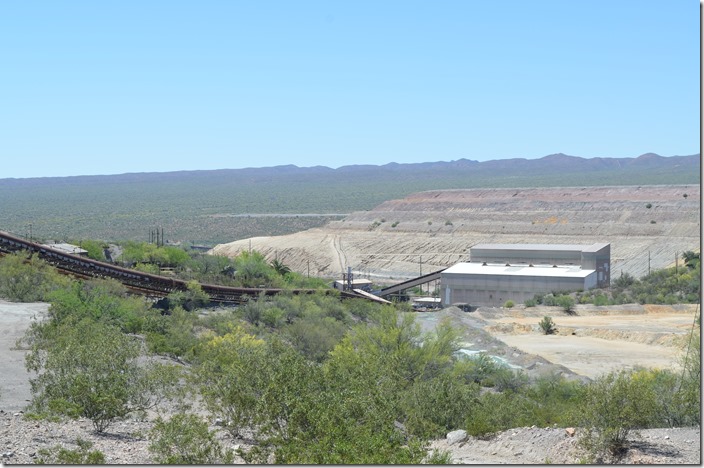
<point>411,283</point>
<point>139,282</point>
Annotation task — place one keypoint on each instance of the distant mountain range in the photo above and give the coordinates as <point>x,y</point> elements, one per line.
<point>550,164</point>
<point>191,204</point>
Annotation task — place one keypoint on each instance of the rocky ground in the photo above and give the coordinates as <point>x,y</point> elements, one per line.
<point>126,442</point>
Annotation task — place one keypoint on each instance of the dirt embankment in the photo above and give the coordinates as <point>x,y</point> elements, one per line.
<point>647,227</point>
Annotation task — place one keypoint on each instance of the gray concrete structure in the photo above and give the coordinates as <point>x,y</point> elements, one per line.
<point>589,257</point>
<point>500,272</point>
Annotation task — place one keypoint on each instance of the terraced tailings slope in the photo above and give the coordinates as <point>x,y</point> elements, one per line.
<point>437,228</point>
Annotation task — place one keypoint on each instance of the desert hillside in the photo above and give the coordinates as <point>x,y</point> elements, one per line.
<point>431,230</point>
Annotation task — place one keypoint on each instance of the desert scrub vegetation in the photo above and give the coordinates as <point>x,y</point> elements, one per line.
<point>312,379</point>
<point>547,325</point>
<point>25,278</point>
<point>675,285</point>
<point>186,440</point>
<point>90,369</point>
<point>83,455</point>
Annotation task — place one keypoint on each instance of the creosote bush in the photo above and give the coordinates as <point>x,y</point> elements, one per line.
<point>186,440</point>
<point>91,370</point>
<point>547,326</point>
<point>615,405</point>
<point>25,278</point>
<point>58,455</point>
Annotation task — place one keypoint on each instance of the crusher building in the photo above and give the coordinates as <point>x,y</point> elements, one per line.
<point>497,273</point>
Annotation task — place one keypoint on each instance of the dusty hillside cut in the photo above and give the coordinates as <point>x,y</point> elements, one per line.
<point>647,226</point>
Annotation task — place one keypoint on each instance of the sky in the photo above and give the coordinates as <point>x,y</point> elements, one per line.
<point>110,87</point>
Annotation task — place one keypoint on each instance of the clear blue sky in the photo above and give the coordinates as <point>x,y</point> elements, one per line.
<point>106,87</point>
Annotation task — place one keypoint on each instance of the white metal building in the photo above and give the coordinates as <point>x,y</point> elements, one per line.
<point>497,273</point>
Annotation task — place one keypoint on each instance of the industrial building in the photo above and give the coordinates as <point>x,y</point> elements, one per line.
<point>497,273</point>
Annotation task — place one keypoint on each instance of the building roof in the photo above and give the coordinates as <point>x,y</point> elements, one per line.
<point>546,247</point>
<point>67,248</point>
<point>518,270</point>
<point>355,281</point>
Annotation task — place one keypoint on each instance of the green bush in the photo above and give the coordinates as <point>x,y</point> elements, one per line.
<point>566,302</point>
<point>104,300</point>
<point>229,373</point>
<point>94,249</point>
<point>438,405</point>
<point>58,455</point>
<point>614,405</point>
<point>509,304</point>
<point>171,334</point>
<point>624,280</point>
<point>439,457</point>
<point>90,370</point>
<point>547,326</point>
<point>315,336</point>
<point>25,278</point>
<point>185,440</point>
<point>192,298</point>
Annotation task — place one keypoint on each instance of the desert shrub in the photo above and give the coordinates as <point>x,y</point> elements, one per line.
<point>531,303</point>
<point>95,249</point>
<point>151,268</point>
<point>614,405</point>
<point>103,300</point>
<point>190,299</point>
<point>315,336</point>
<point>229,373</point>
<point>438,457</point>
<point>496,412</point>
<point>600,300</point>
<point>273,317</point>
<point>186,440</point>
<point>566,302</point>
<point>25,278</point>
<point>91,370</point>
<point>171,334</point>
<point>347,409</point>
<point>509,304</point>
<point>556,400</point>
<point>624,280</point>
<point>253,311</point>
<point>252,270</point>
<point>547,326</point>
<point>506,379</point>
<point>478,368</point>
<point>360,308</point>
<point>58,455</point>
<point>438,405</point>
<point>688,394</point>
